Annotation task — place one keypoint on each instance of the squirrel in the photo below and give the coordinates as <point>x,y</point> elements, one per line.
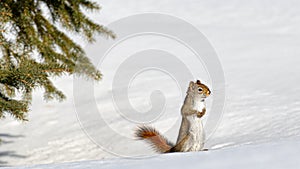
<point>191,134</point>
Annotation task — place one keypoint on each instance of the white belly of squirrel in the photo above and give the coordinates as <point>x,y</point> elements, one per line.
<point>191,135</point>
<point>192,128</point>
<point>197,137</point>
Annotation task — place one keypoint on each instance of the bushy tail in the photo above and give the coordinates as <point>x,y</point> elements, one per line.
<point>157,141</point>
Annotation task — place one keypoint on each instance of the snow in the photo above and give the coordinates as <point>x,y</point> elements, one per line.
<point>258,45</point>
<point>275,155</point>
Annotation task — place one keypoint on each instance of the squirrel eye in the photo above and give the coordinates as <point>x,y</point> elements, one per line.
<point>200,89</point>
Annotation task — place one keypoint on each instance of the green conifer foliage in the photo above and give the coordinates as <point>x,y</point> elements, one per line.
<point>34,48</point>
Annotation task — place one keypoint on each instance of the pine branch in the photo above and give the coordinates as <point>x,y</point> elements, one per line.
<point>33,49</point>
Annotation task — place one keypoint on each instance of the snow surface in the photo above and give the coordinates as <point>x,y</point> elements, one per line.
<point>258,45</point>
<point>271,155</point>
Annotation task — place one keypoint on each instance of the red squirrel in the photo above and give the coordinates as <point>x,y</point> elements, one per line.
<point>191,134</point>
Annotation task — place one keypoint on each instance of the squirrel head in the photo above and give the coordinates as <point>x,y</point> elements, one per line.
<point>198,89</point>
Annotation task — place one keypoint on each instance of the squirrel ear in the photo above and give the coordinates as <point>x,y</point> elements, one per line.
<point>198,82</point>
<point>191,85</point>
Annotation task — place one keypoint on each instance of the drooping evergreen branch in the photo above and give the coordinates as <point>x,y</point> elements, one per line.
<point>35,47</point>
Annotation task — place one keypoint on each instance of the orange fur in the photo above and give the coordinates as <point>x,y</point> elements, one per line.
<point>204,87</point>
<point>157,141</point>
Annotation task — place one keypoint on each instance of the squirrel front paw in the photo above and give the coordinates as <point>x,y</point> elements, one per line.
<point>202,113</point>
